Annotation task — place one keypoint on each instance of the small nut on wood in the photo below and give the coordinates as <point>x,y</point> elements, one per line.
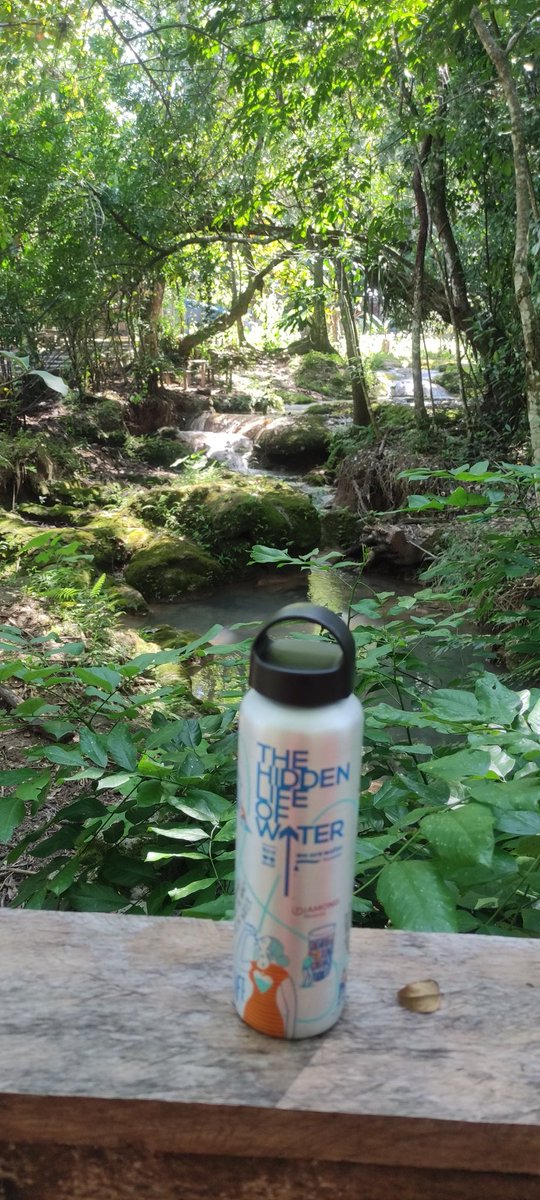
<point>424,996</point>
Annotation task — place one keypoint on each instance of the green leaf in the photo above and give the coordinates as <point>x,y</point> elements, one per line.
<point>531,920</point>
<point>84,809</point>
<point>96,897</point>
<point>522,824</point>
<point>462,836</point>
<point>414,896</point>
<point>53,381</point>
<point>92,746</point>
<point>221,909</point>
<point>192,834</point>
<point>114,781</point>
<point>149,793</point>
<point>100,677</point>
<point>62,757</point>
<point>462,765</point>
<point>12,813</point>
<point>496,702</point>
<point>64,877</point>
<point>454,704</point>
<point>121,747</point>
<point>198,885</point>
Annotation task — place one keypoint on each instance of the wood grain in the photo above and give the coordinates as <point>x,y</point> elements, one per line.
<point>75,1174</point>
<point>118,1038</point>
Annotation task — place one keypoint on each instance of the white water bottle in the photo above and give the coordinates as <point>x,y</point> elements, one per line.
<point>299,758</point>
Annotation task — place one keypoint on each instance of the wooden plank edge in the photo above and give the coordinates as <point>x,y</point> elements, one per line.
<point>244,1132</point>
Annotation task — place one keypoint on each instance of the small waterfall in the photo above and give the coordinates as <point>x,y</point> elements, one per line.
<point>227,437</point>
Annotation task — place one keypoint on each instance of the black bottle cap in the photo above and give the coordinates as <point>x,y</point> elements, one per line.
<point>304,672</point>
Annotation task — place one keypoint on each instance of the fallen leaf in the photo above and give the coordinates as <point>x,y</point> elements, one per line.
<point>424,996</point>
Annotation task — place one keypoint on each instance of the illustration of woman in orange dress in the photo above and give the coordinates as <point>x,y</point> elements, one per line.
<point>271,1007</point>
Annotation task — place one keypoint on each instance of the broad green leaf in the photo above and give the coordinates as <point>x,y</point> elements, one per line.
<point>100,677</point>
<point>121,747</point>
<point>92,746</point>
<point>64,877</point>
<point>522,824</point>
<point>531,920</point>
<point>12,813</point>
<point>496,702</point>
<point>63,757</point>
<point>53,381</point>
<point>149,792</point>
<point>198,885</point>
<point>213,910</point>
<point>453,704</point>
<point>462,836</point>
<point>115,781</point>
<point>96,897</point>
<point>462,765</point>
<point>84,809</point>
<point>193,834</point>
<point>414,896</point>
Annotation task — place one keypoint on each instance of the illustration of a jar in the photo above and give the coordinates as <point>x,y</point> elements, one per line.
<point>321,950</point>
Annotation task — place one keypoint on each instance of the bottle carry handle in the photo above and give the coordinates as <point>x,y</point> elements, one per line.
<point>317,615</point>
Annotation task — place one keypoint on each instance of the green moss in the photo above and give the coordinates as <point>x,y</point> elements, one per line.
<point>169,568</point>
<point>168,638</point>
<point>113,537</point>
<point>340,528</point>
<point>159,450</point>
<point>229,515</point>
<point>303,443</point>
<point>127,599</point>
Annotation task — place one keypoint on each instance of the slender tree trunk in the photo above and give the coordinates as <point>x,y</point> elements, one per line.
<point>526,208</point>
<point>455,273</point>
<point>361,408</point>
<point>318,329</point>
<point>149,338</point>
<point>418,280</point>
<point>234,295</point>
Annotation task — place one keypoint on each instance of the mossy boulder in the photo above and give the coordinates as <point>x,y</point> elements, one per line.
<point>303,444</point>
<point>127,599</point>
<point>54,514</point>
<point>229,515</point>
<point>340,528</point>
<point>168,638</point>
<point>114,537</point>
<point>170,568</point>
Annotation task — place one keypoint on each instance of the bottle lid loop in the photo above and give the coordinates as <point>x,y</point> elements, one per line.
<point>308,672</point>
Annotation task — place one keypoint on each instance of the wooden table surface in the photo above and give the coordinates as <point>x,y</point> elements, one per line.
<point>124,1022</point>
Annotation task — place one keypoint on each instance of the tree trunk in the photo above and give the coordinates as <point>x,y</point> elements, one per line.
<point>418,279</point>
<point>361,409</point>
<point>526,208</point>
<point>318,329</point>
<point>149,335</point>
<point>439,209</point>
<point>226,320</point>
<point>234,295</point>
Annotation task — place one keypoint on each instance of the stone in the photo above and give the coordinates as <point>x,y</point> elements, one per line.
<point>127,598</point>
<point>170,568</point>
<point>303,443</point>
<point>340,527</point>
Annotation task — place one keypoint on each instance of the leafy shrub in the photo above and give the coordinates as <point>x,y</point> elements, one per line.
<point>494,561</point>
<point>325,373</point>
<point>152,449</point>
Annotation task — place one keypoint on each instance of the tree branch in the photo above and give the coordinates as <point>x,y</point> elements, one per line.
<point>141,62</point>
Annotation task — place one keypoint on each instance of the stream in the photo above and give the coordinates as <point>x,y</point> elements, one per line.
<point>229,438</point>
